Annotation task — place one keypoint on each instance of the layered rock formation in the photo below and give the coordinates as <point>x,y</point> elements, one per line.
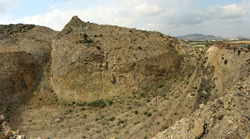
<point>125,66</point>
<point>85,56</point>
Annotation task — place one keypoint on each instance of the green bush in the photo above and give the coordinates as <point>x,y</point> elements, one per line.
<point>143,94</point>
<point>85,35</point>
<point>96,103</point>
<point>98,47</point>
<point>110,102</point>
<point>82,109</point>
<point>81,104</point>
<point>134,93</point>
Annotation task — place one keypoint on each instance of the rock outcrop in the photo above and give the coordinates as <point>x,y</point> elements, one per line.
<point>86,56</point>
<point>225,117</point>
<point>229,66</point>
<point>24,51</point>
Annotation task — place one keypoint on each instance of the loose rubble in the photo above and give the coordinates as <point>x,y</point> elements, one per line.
<point>6,132</point>
<point>226,117</point>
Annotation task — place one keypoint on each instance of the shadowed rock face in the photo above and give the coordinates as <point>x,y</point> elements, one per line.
<point>85,55</point>
<point>20,72</point>
<point>23,55</point>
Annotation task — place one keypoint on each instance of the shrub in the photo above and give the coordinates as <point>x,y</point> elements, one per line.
<point>133,93</point>
<point>120,122</point>
<point>85,116</point>
<point>85,35</point>
<point>96,103</point>
<point>82,109</point>
<point>160,84</point>
<point>98,47</point>
<point>110,102</point>
<point>87,40</point>
<point>136,112</point>
<point>82,104</point>
<point>149,114</point>
<point>68,31</point>
<point>239,52</point>
<point>225,62</point>
<point>112,118</point>
<point>69,111</point>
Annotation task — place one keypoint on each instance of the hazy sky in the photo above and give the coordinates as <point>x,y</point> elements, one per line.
<point>226,18</point>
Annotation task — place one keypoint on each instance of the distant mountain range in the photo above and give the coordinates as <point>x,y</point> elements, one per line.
<point>202,37</point>
<point>199,37</point>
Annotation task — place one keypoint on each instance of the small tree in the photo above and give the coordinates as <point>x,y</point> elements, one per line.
<point>105,88</point>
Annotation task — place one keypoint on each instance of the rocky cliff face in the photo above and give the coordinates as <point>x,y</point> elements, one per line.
<point>20,73</point>
<point>24,51</point>
<point>229,66</point>
<point>87,55</point>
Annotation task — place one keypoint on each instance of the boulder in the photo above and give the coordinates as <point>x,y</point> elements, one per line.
<point>198,129</point>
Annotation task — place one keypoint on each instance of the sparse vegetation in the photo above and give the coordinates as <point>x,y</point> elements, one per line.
<point>68,31</point>
<point>96,103</point>
<point>143,88</point>
<point>16,29</point>
<point>136,112</point>
<point>98,47</point>
<point>110,102</point>
<point>86,39</point>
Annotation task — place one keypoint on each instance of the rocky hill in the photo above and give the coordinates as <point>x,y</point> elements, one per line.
<point>103,81</point>
<point>85,55</point>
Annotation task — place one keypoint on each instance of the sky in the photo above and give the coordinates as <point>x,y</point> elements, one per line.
<point>226,18</point>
